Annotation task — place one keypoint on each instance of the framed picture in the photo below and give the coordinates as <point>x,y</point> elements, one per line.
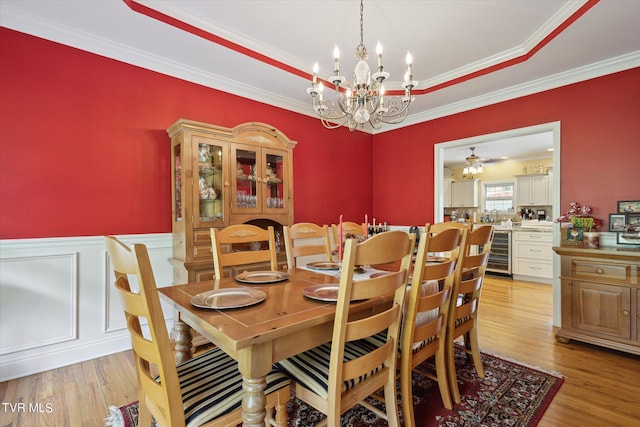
<point>629,238</point>
<point>617,222</point>
<point>629,206</point>
<point>633,218</point>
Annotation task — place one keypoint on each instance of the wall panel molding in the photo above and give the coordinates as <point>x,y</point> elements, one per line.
<point>57,303</point>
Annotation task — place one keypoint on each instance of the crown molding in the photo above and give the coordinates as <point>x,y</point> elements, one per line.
<point>48,30</point>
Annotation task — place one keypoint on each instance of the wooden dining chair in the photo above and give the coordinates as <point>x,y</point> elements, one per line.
<point>205,390</point>
<point>348,227</point>
<point>465,301</point>
<point>242,244</point>
<point>306,239</point>
<point>424,324</point>
<point>335,376</point>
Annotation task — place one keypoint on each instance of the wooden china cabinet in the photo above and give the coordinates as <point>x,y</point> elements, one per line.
<point>224,176</point>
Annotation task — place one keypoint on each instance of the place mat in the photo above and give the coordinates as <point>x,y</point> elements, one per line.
<point>360,274</point>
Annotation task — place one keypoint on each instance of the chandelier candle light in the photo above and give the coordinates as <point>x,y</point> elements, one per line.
<point>473,165</point>
<point>362,100</point>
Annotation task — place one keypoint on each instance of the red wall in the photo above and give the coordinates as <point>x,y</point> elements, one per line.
<point>85,151</point>
<point>600,147</point>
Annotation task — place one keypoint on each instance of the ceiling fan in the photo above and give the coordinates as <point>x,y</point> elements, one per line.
<point>473,163</point>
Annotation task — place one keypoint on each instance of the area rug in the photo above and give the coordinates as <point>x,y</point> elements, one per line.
<point>510,394</point>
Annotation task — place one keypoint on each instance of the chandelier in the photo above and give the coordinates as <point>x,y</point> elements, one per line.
<point>473,165</point>
<point>362,100</point>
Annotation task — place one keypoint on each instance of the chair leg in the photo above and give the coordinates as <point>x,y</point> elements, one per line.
<point>406,392</point>
<point>475,351</point>
<point>443,381</point>
<point>391,403</point>
<point>451,371</point>
<point>144,415</point>
<point>281,407</point>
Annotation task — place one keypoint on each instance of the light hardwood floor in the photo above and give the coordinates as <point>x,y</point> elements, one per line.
<point>601,388</point>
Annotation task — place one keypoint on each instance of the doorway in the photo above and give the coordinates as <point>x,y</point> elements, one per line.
<point>477,141</point>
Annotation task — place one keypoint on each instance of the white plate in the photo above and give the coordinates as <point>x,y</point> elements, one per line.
<point>221,299</point>
<point>324,292</point>
<point>262,277</point>
<point>324,265</point>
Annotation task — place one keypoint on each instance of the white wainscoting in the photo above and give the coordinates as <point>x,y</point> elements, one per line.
<point>57,301</point>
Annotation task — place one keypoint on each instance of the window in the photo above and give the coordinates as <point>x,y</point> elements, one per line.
<point>498,196</point>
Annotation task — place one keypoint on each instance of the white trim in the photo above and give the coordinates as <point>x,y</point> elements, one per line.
<point>438,204</point>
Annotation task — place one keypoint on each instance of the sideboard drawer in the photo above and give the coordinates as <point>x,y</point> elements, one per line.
<point>202,236</point>
<point>200,252</point>
<point>588,269</point>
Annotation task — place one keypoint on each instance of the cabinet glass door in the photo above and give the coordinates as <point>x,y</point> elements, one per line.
<point>246,188</point>
<point>275,197</point>
<point>211,182</point>
<point>177,182</point>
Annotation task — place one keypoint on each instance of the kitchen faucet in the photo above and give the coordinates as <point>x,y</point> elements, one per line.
<point>495,219</point>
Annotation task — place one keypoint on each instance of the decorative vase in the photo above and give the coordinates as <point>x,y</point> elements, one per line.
<point>591,239</point>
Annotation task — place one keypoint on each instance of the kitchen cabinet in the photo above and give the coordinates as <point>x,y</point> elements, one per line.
<point>533,190</point>
<point>222,176</point>
<point>464,194</point>
<point>533,255</point>
<point>600,297</point>
<point>446,199</point>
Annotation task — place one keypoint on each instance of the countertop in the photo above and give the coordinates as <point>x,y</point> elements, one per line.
<point>518,227</point>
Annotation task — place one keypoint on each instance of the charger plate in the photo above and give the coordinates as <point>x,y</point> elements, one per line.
<point>327,292</point>
<point>220,299</point>
<point>324,265</point>
<point>262,277</point>
<point>323,292</point>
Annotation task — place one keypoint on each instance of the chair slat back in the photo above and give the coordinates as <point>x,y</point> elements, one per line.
<point>231,246</point>
<point>153,354</point>
<point>449,240</point>
<point>468,288</point>
<point>306,239</point>
<point>348,227</point>
<point>389,247</point>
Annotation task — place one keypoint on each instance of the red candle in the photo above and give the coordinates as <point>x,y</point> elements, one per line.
<point>366,225</point>
<point>340,238</point>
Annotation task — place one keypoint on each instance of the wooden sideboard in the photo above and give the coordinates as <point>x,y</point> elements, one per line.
<point>600,291</point>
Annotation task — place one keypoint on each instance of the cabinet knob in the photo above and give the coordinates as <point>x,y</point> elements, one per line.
<point>600,270</point>
<point>227,184</point>
<point>625,313</point>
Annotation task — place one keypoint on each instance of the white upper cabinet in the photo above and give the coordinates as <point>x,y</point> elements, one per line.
<point>464,194</point>
<point>533,190</point>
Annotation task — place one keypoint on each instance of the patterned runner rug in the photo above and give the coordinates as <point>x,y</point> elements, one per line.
<point>511,394</point>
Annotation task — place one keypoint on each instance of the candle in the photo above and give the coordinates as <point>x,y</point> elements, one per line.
<point>315,73</point>
<point>366,226</point>
<point>336,60</point>
<point>340,239</point>
<point>379,52</point>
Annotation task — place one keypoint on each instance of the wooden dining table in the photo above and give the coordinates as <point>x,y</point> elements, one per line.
<point>284,324</point>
